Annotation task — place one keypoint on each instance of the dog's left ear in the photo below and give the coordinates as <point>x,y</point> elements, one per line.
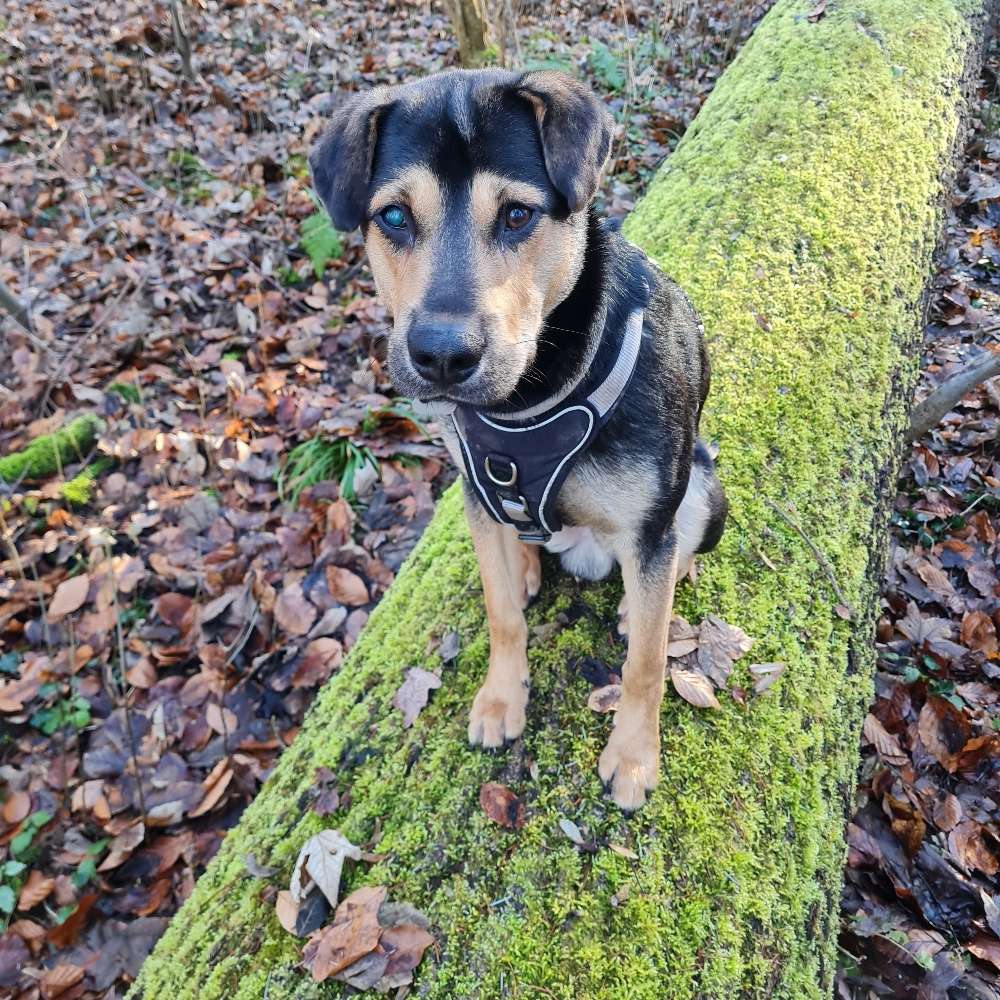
<point>342,162</point>
<point>576,131</point>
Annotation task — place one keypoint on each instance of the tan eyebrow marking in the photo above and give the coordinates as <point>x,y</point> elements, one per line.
<point>490,190</point>
<point>416,187</point>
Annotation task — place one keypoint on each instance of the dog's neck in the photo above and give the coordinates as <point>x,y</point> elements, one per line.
<point>581,329</point>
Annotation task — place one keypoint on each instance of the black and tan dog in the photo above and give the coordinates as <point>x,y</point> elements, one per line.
<point>570,371</point>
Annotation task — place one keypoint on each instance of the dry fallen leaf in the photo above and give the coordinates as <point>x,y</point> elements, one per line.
<point>69,597</point>
<point>346,587</point>
<point>765,674</point>
<point>354,933</point>
<point>605,699</point>
<point>885,743</point>
<point>287,910</point>
<point>413,693</point>
<point>55,982</point>
<point>719,645</point>
<point>501,805</point>
<point>320,864</point>
<point>35,890</point>
<point>694,687</point>
<point>293,612</point>
<point>220,719</point>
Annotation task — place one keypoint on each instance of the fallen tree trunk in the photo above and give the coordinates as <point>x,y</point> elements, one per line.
<point>800,214</point>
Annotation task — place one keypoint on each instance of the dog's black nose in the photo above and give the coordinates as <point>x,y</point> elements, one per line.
<point>444,353</point>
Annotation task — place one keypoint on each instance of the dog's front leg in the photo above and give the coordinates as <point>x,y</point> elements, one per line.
<point>510,578</point>
<point>630,761</point>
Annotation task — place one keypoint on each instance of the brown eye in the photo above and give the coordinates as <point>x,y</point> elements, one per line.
<point>516,216</point>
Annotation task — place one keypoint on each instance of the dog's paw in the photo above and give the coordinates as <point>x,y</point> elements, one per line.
<point>497,716</point>
<point>630,765</point>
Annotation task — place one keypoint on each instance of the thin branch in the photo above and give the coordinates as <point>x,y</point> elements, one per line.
<point>15,308</point>
<point>181,39</point>
<point>929,413</point>
<point>820,558</point>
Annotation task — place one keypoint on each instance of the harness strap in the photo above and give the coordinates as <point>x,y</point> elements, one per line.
<point>517,469</point>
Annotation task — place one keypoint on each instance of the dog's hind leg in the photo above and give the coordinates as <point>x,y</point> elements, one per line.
<point>525,565</point>
<point>630,761</point>
<point>701,517</point>
<point>498,709</point>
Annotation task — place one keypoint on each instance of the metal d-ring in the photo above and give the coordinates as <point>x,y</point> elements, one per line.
<point>501,482</point>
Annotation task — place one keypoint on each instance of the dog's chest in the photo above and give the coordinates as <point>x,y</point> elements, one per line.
<point>607,497</point>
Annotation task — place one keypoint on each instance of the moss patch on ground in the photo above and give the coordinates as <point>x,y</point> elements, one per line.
<point>49,453</point>
<point>800,214</point>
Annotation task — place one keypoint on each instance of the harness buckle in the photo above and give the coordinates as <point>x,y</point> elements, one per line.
<point>493,476</point>
<point>534,537</point>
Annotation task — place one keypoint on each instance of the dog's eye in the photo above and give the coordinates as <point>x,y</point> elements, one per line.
<point>394,216</point>
<point>516,216</point>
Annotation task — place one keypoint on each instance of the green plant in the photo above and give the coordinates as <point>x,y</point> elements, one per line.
<point>320,459</point>
<point>606,66</point>
<point>320,241</point>
<point>21,854</point>
<point>125,390</point>
<point>71,711</point>
<point>136,612</point>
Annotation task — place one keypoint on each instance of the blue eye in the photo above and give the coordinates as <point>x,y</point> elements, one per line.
<point>393,216</point>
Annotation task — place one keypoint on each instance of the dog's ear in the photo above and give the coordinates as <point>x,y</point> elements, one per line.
<point>342,161</point>
<point>576,132</point>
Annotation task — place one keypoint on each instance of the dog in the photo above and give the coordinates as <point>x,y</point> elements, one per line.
<point>569,372</point>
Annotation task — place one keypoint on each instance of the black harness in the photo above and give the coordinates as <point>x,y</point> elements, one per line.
<point>517,467</point>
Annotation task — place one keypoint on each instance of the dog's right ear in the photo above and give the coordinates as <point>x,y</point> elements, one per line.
<point>342,161</point>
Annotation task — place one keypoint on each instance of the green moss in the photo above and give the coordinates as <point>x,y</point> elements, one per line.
<point>79,490</point>
<point>799,212</point>
<point>46,455</point>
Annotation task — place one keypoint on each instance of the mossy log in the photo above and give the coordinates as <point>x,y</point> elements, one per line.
<point>48,454</point>
<point>800,212</point>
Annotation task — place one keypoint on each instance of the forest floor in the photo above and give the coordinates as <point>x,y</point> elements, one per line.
<point>160,643</point>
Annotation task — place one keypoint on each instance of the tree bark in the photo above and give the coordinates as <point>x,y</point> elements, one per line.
<point>470,30</point>
<point>780,213</point>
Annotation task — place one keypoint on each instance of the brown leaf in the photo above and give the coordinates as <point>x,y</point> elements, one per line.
<point>885,743</point>
<point>605,699</point>
<point>765,674</point>
<point>947,812</point>
<point>319,659</point>
<point>293,612</point>
<point>987,948</point>
<point>405,945</point>
<point>817,12</point>
<point>214,785</point>
<point>16,808</point>
<point>121,848</point>
<point>35,890</point>
<point>57,981</point>
<point>69,597</point>
<point>346,587</point>
<point>175,610</point>
<point>501,805</point>
<point>943,730</point>
<point>220,719</point>
<point>66,933</point>
<point>354,933</point>
<point>287,910</point>
<point>693,687</point>
<point>966,842</point>
<point>979,633</point>
<point>719,645</point>
<point>413,693</point>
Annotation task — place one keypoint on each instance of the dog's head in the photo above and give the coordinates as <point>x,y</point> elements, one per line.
<point>471,188</point>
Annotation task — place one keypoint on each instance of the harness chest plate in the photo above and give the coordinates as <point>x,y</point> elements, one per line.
<point>517,468</point>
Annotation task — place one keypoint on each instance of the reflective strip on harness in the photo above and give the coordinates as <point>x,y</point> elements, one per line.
<point>518,469</point>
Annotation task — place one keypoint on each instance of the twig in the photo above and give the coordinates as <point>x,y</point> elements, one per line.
<point>181,39</point>
<point>15,308</point>
<point>820,558</point>
<point>929,413</point>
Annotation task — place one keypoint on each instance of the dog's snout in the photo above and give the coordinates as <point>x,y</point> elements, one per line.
<point>445,352</point>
